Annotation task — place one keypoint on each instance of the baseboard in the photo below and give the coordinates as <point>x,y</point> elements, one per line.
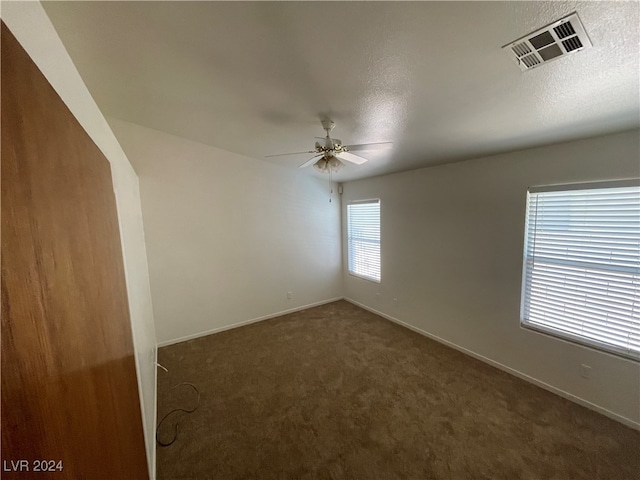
<point>246,322</point>
<point>155,415</point>
<point>569,396</point>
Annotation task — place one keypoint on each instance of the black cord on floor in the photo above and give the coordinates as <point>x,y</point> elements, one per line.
<point>175,435</point>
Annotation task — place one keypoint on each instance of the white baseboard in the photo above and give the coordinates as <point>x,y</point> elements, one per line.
<point>569,396</point>
<point>155,415</point>
<point>246,322</point>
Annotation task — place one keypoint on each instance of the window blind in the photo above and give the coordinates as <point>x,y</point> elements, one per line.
<point>363,239</point>
<point>582,265</point>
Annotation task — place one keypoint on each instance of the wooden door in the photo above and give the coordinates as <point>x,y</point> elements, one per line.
<point>69,389</point>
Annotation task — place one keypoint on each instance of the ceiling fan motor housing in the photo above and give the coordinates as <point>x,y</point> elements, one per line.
<point>330,148</point>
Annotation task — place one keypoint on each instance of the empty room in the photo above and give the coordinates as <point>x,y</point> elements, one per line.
<point>320,240</point>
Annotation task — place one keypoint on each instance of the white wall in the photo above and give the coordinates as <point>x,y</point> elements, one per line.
<point>452,240</point>
<point>228,236</point>
<point>32,28</point>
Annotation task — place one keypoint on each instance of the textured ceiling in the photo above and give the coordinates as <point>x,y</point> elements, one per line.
<point>255,78</point>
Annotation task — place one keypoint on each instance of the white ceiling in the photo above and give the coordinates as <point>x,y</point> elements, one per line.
<point>255,78</point>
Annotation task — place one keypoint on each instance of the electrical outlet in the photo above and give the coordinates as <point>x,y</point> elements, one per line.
<point>289,295</point>
<point>585,371</point>
<point>395,301</point>
<point>378,297</point>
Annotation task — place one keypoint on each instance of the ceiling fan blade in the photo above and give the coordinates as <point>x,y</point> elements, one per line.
<point>350,157</point>
<point>370,146</point>
<point>285,154</point>
<point>310,161</point>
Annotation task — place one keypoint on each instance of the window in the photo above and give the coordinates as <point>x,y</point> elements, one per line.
<point>363,239</point>
<point>581,278</point>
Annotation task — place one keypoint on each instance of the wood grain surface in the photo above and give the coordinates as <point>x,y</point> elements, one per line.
<point>69,389</point>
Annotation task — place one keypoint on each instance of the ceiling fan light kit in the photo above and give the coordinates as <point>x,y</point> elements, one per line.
<point>333,152</point>
<point>328,165</point>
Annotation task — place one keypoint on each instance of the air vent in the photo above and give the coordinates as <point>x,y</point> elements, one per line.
<point>554,41</point>
<point>564,30</point>
<point>521,49</point>
<point>530,61</point>
<point>572,44</point>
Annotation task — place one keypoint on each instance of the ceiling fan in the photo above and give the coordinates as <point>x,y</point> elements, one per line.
<point>330,152</point>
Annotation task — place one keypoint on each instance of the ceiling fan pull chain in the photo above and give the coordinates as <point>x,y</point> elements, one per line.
<point>330,185</point>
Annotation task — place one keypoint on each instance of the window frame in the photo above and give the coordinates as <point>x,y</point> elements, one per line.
<point>354,274</point>
<point>549,331</point>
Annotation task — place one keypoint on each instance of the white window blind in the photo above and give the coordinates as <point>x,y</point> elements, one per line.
<point>363,239</point>
<point>582,264</point>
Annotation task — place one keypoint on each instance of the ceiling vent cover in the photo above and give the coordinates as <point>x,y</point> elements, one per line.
<point>554,41</point>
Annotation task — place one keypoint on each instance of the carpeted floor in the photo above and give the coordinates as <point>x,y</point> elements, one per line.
<point>335,392</point>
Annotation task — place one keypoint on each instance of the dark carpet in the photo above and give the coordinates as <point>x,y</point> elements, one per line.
<point>335,392</point>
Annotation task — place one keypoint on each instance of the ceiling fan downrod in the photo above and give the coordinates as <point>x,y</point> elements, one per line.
<point>328,125</point>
